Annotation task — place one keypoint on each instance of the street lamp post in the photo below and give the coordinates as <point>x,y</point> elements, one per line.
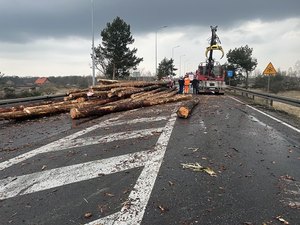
<point>156,47</point>
<point>173,50</point>
<point>185,66</point>
<point>173,57</point>
<point>93,44</point>
<point>180,64</point>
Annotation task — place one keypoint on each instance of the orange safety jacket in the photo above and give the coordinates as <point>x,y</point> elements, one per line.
<point>186,81</point>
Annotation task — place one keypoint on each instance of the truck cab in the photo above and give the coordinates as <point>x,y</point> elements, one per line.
<point>211,78</point>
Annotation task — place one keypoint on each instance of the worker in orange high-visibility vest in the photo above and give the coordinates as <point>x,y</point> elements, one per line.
<point>186,84</point>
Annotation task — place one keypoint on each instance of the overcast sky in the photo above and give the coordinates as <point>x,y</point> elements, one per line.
<point>53,37</point>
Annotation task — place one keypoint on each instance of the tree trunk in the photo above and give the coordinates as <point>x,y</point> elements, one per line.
<point>107,81</point>
<point>124,105</point>
<point>116,97</point>
<point>108,87</point>
<point>21,107</point>
<point>174,98</point>
<point>128,84</point>
<point>185,109</point>
<point>99,94</point>
<point>145,94</point>
<point>114,91</point>
<point>50,109</point>
<point>77,91</point>
<point>127,93</point>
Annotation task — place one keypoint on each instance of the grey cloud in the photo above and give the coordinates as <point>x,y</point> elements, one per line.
<point>26,20</point>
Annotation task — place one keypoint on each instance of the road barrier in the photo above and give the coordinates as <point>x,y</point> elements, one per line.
<point>31,99</point>
<point>269,97</point>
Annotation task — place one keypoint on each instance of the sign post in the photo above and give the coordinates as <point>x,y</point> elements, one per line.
<point>269,70</point>
<point>229,75</point>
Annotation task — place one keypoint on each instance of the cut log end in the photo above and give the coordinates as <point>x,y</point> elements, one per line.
<point>185,110</point>
<point>74,113</point>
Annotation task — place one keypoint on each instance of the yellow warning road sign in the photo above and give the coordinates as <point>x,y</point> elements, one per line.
<point>270,70</point>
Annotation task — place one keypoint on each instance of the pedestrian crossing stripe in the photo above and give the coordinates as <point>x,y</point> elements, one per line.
<point>150,160</point>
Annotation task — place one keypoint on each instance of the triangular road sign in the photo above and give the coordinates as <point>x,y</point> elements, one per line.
<point>270,70</point>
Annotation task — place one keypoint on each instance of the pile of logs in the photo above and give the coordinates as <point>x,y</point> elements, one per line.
<point>100,100</point>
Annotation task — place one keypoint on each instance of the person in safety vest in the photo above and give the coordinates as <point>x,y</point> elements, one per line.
<point>186,84</point>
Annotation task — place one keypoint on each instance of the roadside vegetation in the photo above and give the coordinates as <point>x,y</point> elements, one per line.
<point>21,87</point>
<point>241,62</point>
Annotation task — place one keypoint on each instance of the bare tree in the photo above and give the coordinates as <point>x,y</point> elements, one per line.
<point>297,68</point>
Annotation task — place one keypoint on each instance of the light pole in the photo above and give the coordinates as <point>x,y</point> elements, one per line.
<point>173,57</point>
<point>156,48</point>
<point>180,64</point>
<point>93,44</point>
<point>173,50</point>
<point>185,66</point>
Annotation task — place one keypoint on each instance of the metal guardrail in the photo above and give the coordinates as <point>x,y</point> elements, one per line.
<point>30,99</point>
<point>271,97</point>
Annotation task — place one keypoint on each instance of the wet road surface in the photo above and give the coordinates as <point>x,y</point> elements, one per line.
<point>126,168</point>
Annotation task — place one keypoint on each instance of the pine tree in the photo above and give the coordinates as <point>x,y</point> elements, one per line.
<point>166,68</point>
<point>113,55</point>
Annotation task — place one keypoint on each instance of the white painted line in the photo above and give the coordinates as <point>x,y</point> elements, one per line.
<point>80,142</point>
<point>133,212</point>
<point>68,139</point>
<point>277,120</point>
<point>30,183</point>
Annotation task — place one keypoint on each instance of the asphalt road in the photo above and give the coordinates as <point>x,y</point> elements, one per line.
<point>127,168</point>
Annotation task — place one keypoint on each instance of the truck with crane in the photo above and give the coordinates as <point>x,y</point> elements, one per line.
<point>211,73</point>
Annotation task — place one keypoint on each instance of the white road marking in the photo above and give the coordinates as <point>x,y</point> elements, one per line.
<point>254,119</point>
<point>68,139</point>
<point>39,181</point>
<point>86,141</point>
<point>133,212</point>
<point>277,120</point>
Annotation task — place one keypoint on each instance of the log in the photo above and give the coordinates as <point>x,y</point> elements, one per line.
<point>22,106</point>
<point>160,101</point>
<point>77,113</point>
<point>106,81</point>
<point>98,94</point>
<point>167,92</point>
<point>11,109</point>
<point>72,91</point>
<point>128,93</point>
<point>143,94</point>
<point>51,109</point>
<point>114,91</point>
<point>160,95</point>
<point>108,87</point>
<point>185,110</point>
<point>124,91</point>
<point>138,84</point>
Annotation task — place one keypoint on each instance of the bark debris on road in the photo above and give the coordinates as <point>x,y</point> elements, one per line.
<point>127,168</point>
